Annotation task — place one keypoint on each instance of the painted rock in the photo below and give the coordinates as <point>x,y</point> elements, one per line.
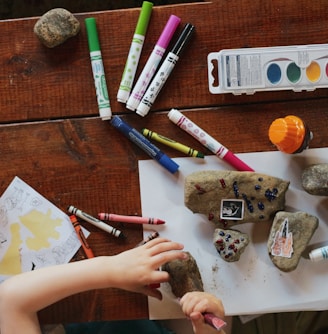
<point>230,244</point>
<point>56,26</point>
<point>184,276</point>
<point>290,234</point>
<point>315,179</point>
<point>228,198</point>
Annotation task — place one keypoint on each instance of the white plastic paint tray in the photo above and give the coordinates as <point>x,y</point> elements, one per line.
<point>249,70</point>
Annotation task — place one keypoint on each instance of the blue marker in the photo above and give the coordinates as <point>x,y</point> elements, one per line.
<point>141,141</point>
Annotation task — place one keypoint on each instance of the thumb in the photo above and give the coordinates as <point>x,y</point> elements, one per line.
<point>197,320</point>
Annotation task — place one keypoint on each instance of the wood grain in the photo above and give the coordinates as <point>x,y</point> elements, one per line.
<point>53,139</point>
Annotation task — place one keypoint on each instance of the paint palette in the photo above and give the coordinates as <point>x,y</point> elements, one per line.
<point>248,70</point>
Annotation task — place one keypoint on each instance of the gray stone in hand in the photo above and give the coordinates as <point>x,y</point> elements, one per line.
<point>184,276</point>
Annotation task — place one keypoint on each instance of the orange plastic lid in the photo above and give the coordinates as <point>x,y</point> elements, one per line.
<point>287,134</point>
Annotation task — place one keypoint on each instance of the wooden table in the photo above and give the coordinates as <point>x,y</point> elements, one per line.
<point>53,138</point>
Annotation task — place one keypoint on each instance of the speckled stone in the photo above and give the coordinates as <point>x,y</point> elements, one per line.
<point>184,276</point>
<point>230,244</point>
<point>315,179</point>
<point>56,26</point>
<point>229,198</point>
<point>290,234</point>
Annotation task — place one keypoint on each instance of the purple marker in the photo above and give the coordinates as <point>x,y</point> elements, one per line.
<point>152,62</point>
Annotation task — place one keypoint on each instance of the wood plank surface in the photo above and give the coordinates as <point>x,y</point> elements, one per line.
<point>53,139</point>
<point>40,83</point>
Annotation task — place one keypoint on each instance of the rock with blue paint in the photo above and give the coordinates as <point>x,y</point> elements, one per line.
<point>228,198</point>
<point>230,243</point>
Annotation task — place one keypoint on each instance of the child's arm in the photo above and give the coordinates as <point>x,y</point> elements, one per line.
<point>22,296</point>
<point>195,304</point>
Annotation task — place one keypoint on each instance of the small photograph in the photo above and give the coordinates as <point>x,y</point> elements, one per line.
<point>232,209</point>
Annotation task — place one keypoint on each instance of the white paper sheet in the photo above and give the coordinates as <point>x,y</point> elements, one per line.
<point>253,284</point>
<point>33,232</point>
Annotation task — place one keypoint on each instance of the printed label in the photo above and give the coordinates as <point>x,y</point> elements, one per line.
<point>283,241</point>
<point>232,209</point>
<point>244,71</point>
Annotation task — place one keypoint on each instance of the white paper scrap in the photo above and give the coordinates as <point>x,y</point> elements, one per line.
<point>34,233</point>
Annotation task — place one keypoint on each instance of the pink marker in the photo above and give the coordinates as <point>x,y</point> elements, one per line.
<point>214,321</point>
<point>213,145</point>
<point>130,219</point>
<point>152,63</point>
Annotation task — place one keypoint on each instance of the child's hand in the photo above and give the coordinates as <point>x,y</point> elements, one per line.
<point>136,269</point>
<point>194,304</point>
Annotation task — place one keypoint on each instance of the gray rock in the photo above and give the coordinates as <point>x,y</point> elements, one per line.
<point>290,234</point>
<point>230,244</point>
<point>56,26</point>
<point>315,179</point>
<point>184,276</point>
<point>231,197</point>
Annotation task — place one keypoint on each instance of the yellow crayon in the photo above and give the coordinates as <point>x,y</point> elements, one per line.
<point>172,143</point>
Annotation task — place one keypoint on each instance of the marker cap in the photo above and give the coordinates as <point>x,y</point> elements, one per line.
<point>289,134</point>
<point>316,255</point>
<point>183,39</point>
<point>174,115</point>
<point>234,161</point>
<point>142,109</point>
<point>168,31</point>
<point>93,41</point>
<point>168,163</point>
<point>144,18</point>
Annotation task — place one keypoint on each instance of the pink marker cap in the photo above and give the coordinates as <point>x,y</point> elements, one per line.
<point>168,31</point>
<point>234,161</point>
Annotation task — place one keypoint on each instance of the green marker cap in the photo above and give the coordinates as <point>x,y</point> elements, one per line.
<point>144,18</point>
<point>90,24</point>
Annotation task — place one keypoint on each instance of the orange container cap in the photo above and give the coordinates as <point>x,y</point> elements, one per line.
<point>288,133</point>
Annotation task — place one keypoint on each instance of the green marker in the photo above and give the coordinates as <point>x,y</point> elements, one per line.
<point>134,53</point>
<point>98,69</point>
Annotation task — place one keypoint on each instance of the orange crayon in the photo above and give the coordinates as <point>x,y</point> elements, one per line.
<point>87,250</point>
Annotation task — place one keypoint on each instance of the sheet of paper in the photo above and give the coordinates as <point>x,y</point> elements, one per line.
<point>252,284</point>
<point>34,233</point>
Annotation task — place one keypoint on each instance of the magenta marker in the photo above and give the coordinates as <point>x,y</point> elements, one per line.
<point>204,138</point>
<point>152,63</point>
<point>214,321</point>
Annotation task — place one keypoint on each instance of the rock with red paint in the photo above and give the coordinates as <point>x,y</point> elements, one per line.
<point>230,244</point>
<point>228,198</point>
<point>290,234</point>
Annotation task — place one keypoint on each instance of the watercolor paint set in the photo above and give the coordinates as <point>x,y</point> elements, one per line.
<point>249,70</point>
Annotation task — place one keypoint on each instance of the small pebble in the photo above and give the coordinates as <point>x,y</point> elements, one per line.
<point>56,26</point>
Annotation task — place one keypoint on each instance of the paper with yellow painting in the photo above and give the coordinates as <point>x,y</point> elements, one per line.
<point>34,233</point>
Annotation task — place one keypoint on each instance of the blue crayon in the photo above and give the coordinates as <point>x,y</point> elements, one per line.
<point>148,147</point>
